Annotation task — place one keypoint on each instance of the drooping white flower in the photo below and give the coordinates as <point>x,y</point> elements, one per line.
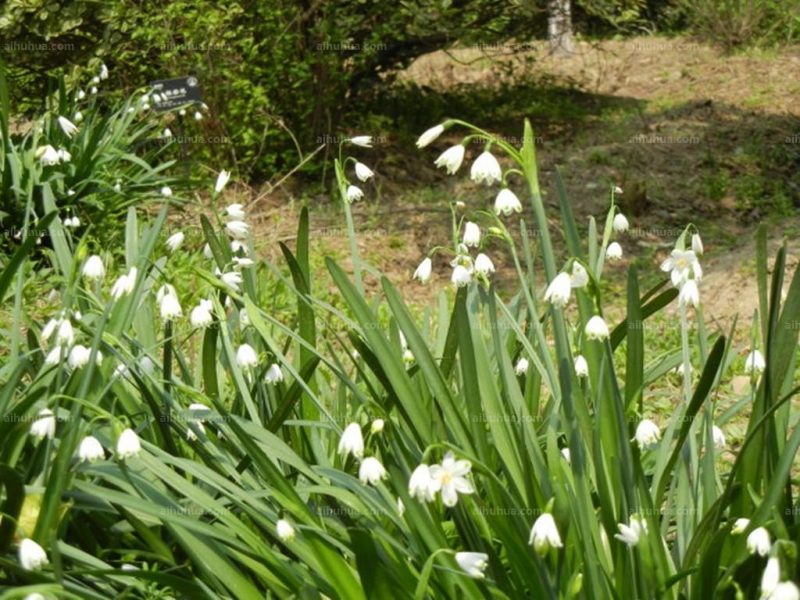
<point>68,127</point>
<point>483,264</point>
<point>429,136</point>
<point>124,284</point>
<point>78,356</point>
<point>103,74</point>
<point>522,366</point>
<point>544,534</point>
<point>581,366</point>
<point>680,265</point>
<point>235,212</point>
<point>167,133</point>
<point>201,315</point>
<point>32,556</point>
<point>128,444</point>
<point>48,155</point>
<point>93,268</point>
<point>93,89</point>
<point>246,356</point>
<point>45,425</point>
<point>363,172</point>
<point>64,157</point>
<point>565,452</point>
<point>90,449</point>
<point>596,329</point>
<point>739,526</point>
<point>771,577</point>
<point>461,276</point>
<point>371,471</point>
<point>473,563</point>
<point>408,356</point>
<point>238,229</point>
<point>758,542</point>
<point>198,116</point>
<point>631,534</point>
<point>175,240</point>
<point>559,290</point>
<point>170,308</point>
<point>689,293</point>
<point>232,279</point>
<point>754,363</point>
<point>240,263</point>
<point>422,486</point>
<point>451,159</point>
<point>198,424</point>
<point>65,335</point>
<point>54,356</point>
<point>166,191</point>
<point>237,246</point>
<point>352,441</point>
<point>354,193</point>
<point>507,202</point>
<point>718,436</point>
<point>620,223</point>
<point>274,374</point>
<point>486,169</point>
<point>284,530</point>
<point>50,328</point>
<point>451,477</point>
<point>365,141</point>
<point>614,251</point>
<point>647,434</point>
<point>785,590</point>
<point>472,234</point>
<point>578,277</point>
<point>81,94</point>
<point>222,181</point>
<point>377,426</point>
<point>697,244</point>
<point>401,508</point>
<point>424,270</point>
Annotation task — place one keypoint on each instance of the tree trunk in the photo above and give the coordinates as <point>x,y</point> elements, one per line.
<point>559,27</point>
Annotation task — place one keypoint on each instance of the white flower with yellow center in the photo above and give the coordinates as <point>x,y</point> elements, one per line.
<point>680,265</point>
<point>451,477</point>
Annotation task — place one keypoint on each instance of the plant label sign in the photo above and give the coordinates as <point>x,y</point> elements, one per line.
<point>172,93</point>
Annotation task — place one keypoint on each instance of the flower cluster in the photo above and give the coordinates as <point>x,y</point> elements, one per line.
<point>371,471</point>
<point>685,270</point>
<point>353,193</point>
<point>447,478</point>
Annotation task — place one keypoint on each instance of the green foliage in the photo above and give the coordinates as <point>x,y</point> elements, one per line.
<point>733,24</point>
<point>201,510</point>
<point>91,169</point>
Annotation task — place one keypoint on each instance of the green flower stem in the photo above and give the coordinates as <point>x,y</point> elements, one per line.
<point>351,231</point>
